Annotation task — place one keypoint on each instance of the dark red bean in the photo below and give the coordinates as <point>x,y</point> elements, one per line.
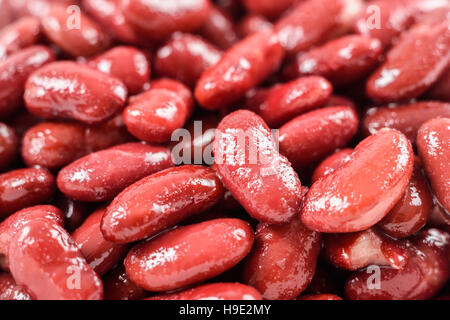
<point>242,67</point>
<point>14,72</point>
<point>74,212</point>
<point>100,176</point>
<point>67,90</point>
<point>361,193</point>
<point>268,8</point>
<point>159,20</point>
<point>313,135</point>
<point>320,297</point>
<point>214,291</point>
<point>259,177</point>
<point>284,102</point>
<point>170,60</point>
<point>77,36</point>
<point>218,28</point>
<point>8,146</point>
<point>160,201</point>
<point>441,89</point>
<point>283,260</point>
<point>252,24</point>
<point>118,286</point>
<point>406,118</point>
<point>11,225</point>
<point>125,63</point>
<point>22,188</point>
<point>189,254</point>
<point>101,254</point>
<point>433,144</point>
<point>45,260</point>
<point>10,290</point>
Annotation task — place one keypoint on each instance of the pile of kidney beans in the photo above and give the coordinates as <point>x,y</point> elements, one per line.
<point>348,199</point>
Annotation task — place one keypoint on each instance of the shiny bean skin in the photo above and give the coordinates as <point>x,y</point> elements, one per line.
<point>100,176</point>
<point>363,191</point>
<point>10,290</point>
<point>331,164</point>
<point>85,40</point>
<point>22,188</point>
<point>218,28</point>
<point>311,136</point>
<point>283,260</point>
<point>8,146</point>
<point>159,201</point>
<point>259,178</point>
<point>11,225</point>
<point>412,211</point>
<point>125,63</point>
<point>354,251</point>
<point>422,278</point>
<point>190,254</point>
<point>214,291</point>
<point>118,286</point>
<point>342,61</point>
<point>67,90</point>
<point>284,102</point>
<point>14,72</point>
<point>155,21</point>
<point>433,144</point>
<point>404,75</point>
<point>43,258</point>
<point>170,60</point>
<point>242,67</point>
<point>74,212</point>
<point>253,24</point>
<point>405,118</point>
<point>155,114</point>
<point>23,33</point>
<point>101,254</point>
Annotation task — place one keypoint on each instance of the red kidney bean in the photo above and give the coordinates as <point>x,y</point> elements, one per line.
<point>404,75</point>
<point>385,20</point>
<point>125,63</point>
<point>112,19</point>
<point>361,193</point>
<point>305,25</point>
<point>12,224</point>
<point>213,291</point>
<point>252,24</point>
<point>406,118</point>
<point>53,145</point>
<point>45,260</point>
<point>286,101</point>
<point>118,286</point>
<point>8,146</point>
<point>313,135</point>
<point>22,188</point>
<point>189,254</point>
<point>77,36</point>
<point>242,67</point>
<point>422,278</point>
<point>100,176</point>
<point>342,61</point>
<point>159,20</point>
<point>283,260</point>
<point>320,297</point>
<point>331,164</point>
<point>101,254</point>
<point>14,72</point>
<point>108,134</point>
<point>10,290</point>
<point>67,90</point>
<point>218,28</point>
<point>411,212</point>
<point>154,115</point>
<point>160,201</point>
<point>441,89</point>
<point>23,33</point>
<point>170,60</point>
<point>268,8</point>
<point>250,166</point>
<point>433,144</point>
<point>74,212</point>
<point>353,251</point>
<point>327,279</point>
